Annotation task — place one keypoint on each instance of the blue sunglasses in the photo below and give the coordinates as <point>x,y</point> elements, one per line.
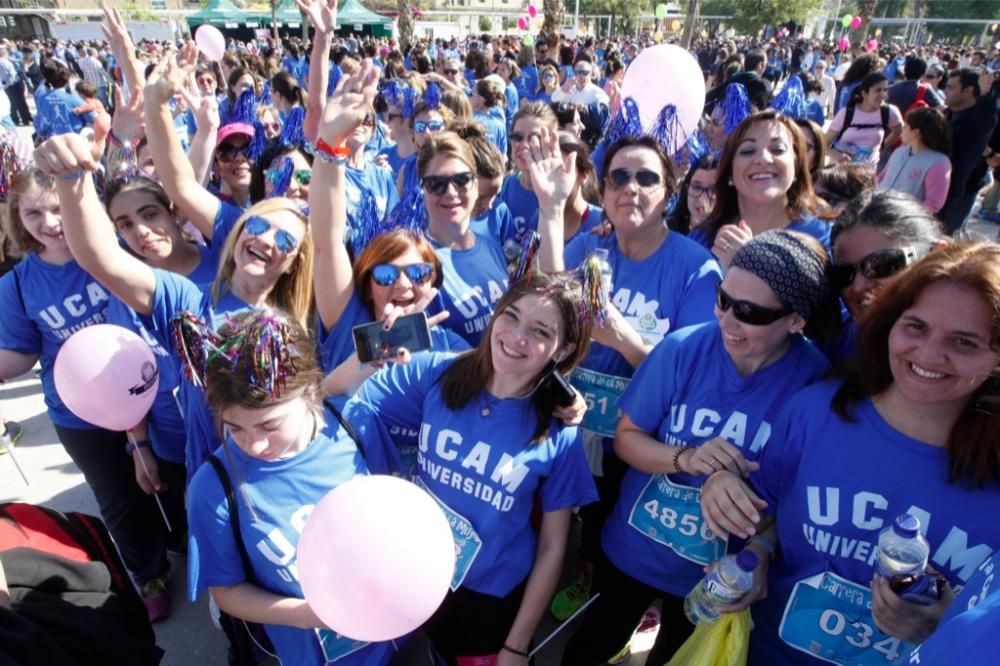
<point>285,242</point>
<point>386,275</point>
<point>422,126</point>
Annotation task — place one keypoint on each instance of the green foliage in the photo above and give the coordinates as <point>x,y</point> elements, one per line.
<point>623,12</point>
<point>960,9</point>
<point>749,16</point>
<point>485,24</point>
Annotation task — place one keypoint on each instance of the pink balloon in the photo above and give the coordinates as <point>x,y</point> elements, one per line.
<point>644,82</point>
<point>376,558</point>
<point>532,11</point>
<point>843,44</point>
<point>210,41</point>
<point>107,376</point>
<point>872,45</point>
<point>522,23</point>
<point>855,23</point>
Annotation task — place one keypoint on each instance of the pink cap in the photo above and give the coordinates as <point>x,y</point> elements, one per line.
<point>229,130</point>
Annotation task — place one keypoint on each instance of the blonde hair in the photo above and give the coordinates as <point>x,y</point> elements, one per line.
<point>293,291</point>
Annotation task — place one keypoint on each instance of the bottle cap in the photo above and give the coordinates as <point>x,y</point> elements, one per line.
<point>747,560</point>
<point>906,525</point>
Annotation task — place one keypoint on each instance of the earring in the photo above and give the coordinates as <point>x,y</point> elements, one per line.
<point>730,182</point>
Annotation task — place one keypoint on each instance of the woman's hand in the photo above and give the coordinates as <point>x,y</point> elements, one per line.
<point>905,620</point>
<point>729,239</point>
<point>147,477</point>
<point>758,590</point>
<point>715,455</point>
<point>350,103</point>
<point>508,658</point>
<point>322,14</point>
<point>573,414</point>
<point>65,155</point>
<point>170,76</point>
<point>729,506</point>
<point>116,33</point>
<point>552,174</point>
<point>129,122</point>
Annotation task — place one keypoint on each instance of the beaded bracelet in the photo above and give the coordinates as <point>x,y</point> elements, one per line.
<point>677,458</point>
<point>76,175</point>
<point>326,153</point>
<point>513,651</point>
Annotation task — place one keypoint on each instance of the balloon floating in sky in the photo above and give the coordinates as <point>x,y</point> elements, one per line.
<point>210,42</point>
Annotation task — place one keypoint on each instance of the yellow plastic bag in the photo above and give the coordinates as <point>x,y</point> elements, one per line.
<point>721,644</point>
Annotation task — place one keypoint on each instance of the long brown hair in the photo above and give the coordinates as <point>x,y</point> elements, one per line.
<point>470,375</point>
<point>384,248</point>
<point>973,445</point>
<point>802,200</point>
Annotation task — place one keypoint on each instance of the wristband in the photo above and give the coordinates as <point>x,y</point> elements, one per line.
<point>114,138</point>
<point>76,175</point>
<point>513,651</point>
<point>768,545</point>
<point>677,459</point>
<point>137,444</point>
<point>329,154</point>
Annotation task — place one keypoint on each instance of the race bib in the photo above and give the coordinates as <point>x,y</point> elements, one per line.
<point>670,514</point>
<point>601,393</point>
<point>830,618</point>
<point>336,646</point>
<point>467,541</point>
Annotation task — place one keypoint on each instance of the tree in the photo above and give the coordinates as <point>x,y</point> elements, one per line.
<point>552,10</point>
<point>866,10</point>
<point>622,12</point>
<point>690,19</point>
<point>485,24</point>
<point>405,23</point>
<point>749,16</point>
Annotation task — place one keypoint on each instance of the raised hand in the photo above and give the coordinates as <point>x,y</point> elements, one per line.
<point>65,156</point>
<point>171,73</point>
<point>552,174</point>
<point>322,14</point>
<point>128,122</point>
<point>113,27</point>
<point>350,103</point>
<point>204,107</point>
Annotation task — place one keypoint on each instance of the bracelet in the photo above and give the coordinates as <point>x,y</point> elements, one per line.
<point>76,175</point>
<point>677,459</point>
<point>330,155</point>
<point>114,138</point>
<point>137,444</point>
<point>768,545</point>
<point>513,651</point>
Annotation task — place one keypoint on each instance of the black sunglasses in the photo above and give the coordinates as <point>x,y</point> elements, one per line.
<point>875,266</point>
<point>450,72</point>
<point>619,178</point>
<point>386,275</point>
<point>227,152</point>
<point>747,312</point>
<point>438,185</point>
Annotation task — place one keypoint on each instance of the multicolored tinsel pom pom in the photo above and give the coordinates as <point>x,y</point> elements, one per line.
<point>432,95</point>
<point>526,261</point>
<point>292,133</point>
<point>594,300</point>
<point>194,340</point>
<point>283,178</point>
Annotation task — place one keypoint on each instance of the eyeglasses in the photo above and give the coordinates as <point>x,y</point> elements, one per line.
<point>581,71</point>
<point>283,240</point>
<point>619,178</point>
<point>747,312</point>
<point>385,275</point>
<point>272,127</point>
<point>548,76</point>
<point>302,176</point>
<point>451,72</point>
<point>696,191</point>
<point>875,266</point>
<point>227,152</point>
<point>432,126</point>
<point>438,185</point>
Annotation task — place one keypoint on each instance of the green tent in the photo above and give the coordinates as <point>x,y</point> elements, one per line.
<point>352,16</point>
<point>220,13</point>
<point>287,15</point>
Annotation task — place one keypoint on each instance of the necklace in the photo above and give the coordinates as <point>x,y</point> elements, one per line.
<point>485,402</point>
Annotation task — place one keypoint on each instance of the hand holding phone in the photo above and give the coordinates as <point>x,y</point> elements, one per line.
<point>374,344</point>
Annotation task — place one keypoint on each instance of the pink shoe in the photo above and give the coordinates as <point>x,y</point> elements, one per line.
<point>156,596</point>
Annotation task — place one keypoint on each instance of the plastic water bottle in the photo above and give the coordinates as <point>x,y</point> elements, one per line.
<point>902,560</point>
<point>602,257</point>
<point>726,584</point>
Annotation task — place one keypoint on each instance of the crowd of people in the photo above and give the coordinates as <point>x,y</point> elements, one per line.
<point>779,336</point>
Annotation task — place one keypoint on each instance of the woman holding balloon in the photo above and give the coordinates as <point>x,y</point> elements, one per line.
<point>45,299</point>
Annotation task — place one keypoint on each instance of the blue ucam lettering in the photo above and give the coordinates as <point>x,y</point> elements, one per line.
<point>58,315</point>
<point>705,425</point>
<point>279,551</point>
<point>472,301</point>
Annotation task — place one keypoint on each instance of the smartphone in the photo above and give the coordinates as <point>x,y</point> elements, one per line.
<point>561,390</point>
<point>373,343</point>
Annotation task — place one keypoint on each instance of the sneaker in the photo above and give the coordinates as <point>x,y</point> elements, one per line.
<point>623,655</point>
<point>650,621</point>
<point>573,596</point>
<point>156,596</point>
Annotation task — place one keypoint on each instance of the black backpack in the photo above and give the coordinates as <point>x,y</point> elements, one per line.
<point>849,117</point>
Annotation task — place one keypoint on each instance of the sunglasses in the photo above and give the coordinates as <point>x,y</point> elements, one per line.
<point>227,152</point>
<point>584,72</point>
<point>385,275</point>
<point>272,127</point>
<point>875,266</point>
<point>283,240</point>
<point>451,72</point>
<point>747,312</point>
<point>619,178</point>
<point>548,76</point>
<point>302,176</point>
<point>432,126</point>
<point>438,185</point>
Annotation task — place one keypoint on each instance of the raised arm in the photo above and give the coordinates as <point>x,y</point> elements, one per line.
<point>323,15</point>
<point>122,47</point>
<point>172,165</point>
<point>334,278</point>
<point>89,232</point>
<point>552,177</point>
<point>206,113</point>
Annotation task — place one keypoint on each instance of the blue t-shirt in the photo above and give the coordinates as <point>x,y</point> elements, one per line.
<point>972,623</point>
<point>521,201</point>
<point>374,179</point>
<point>396,161</point>
<point>494,121</point>
<point>685,393</point>
<point>591,218</point>
<point>42,305</point>
<point>411,174</point>
<point>833,485</point>
<point>473,282</point>
<point>672,288</point>
<point>527,83</point>
<point>818,229</point>
<point>483,470</point>
<point>513,104</point>
<point>55,114</point>
<point>173,294</point>
<point>282,493</point>
<point>496,223</point>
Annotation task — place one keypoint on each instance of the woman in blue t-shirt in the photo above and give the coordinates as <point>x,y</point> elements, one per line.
<point>489,451</point>
<point>487,100</point>
<point>704,399</point>
<point>282,454</point>
<point>910,430</point>
<point>763,184</point>
<point>44,299</point>
<point>426,122</point>
<point>516,191</point>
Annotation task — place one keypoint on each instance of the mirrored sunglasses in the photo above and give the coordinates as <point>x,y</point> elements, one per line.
<point>283,240</point>
<point>385,275</point>
<point>432,126</point>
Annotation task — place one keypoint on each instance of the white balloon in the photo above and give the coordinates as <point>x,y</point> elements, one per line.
<point>210,41</point>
